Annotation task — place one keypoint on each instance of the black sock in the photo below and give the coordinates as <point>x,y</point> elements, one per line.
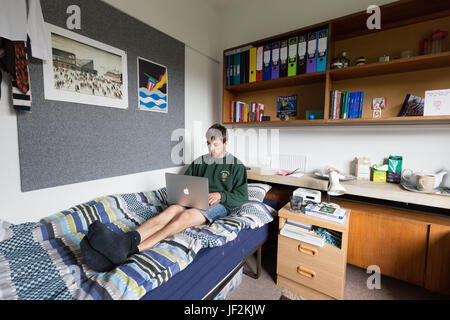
<point>94,259</point>
<point>116,247</point>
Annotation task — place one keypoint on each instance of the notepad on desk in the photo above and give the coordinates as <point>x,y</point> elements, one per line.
<point>293,173</point>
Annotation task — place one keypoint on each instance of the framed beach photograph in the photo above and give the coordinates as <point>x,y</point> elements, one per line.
<point>83,70</point>
<point>152,86</point>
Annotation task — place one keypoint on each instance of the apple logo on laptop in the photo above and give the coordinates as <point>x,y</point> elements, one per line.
<point>186,191</point>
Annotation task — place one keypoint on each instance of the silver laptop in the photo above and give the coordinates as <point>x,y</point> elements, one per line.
<point>187,191</point>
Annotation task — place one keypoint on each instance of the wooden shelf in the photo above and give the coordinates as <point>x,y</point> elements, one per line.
<point>393,15</point>
<point>317,122</point>
<point>404,24</point>
<point>307,78</point>
<point>419,120</point>
<point>429,61</point>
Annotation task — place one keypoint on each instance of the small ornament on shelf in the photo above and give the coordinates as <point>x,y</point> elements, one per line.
<point>361,61</point>
<point>340,62</point>
<point>378,104</point>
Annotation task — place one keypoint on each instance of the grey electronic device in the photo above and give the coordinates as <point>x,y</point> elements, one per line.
<point>188,191</point>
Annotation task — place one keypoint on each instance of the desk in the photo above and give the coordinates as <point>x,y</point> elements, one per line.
<point>408,245</point>
<point>369,189</point>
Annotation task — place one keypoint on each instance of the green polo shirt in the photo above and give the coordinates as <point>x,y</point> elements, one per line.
<point>226,175</point>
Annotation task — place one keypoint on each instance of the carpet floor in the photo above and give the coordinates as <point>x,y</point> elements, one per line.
<point>265,287</point>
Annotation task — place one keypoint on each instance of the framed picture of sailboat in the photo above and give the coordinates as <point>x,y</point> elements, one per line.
<point>152,86</point>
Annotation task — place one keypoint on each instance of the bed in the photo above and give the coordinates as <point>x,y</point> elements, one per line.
<point>42,260</point>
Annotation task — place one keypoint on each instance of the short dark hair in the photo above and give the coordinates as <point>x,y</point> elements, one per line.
<point>216,131</point>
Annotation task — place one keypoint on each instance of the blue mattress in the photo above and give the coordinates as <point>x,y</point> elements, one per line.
<point>209,267</point>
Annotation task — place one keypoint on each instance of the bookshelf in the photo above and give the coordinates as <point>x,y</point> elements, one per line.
<point>403,26</point>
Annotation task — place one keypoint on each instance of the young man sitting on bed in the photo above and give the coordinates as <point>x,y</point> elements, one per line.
<point>103,249</point>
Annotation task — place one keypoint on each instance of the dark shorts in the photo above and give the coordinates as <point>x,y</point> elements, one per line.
<point>218,211</point>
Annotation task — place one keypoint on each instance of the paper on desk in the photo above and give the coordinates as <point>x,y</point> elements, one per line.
<point>297,175</point>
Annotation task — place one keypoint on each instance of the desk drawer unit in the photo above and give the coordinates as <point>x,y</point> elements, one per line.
<point>328,257</point>
<point>320,268</point>
<point>311,271</point>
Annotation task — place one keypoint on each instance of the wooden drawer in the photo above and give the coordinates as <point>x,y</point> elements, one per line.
<point>328,258</point>
<point>323,281</point>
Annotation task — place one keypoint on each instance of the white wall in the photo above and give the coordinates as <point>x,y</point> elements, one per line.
<point>201,103</point>
<point>193,22</point>
<point>250,20</point>
<point>422,147</point>
<point>198,24</point>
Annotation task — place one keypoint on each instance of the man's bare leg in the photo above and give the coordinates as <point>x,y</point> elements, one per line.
<point>160,221</point>
<point>186,219</point>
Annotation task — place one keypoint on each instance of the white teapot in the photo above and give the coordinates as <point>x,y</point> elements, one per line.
<point>410,177</point>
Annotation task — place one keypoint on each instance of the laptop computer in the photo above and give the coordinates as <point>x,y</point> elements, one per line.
<point>188,191</point>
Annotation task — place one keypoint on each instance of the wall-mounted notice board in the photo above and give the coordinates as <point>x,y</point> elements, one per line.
<point>64,142</point>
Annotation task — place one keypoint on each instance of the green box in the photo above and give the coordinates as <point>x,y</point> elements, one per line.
<point>394,169</point>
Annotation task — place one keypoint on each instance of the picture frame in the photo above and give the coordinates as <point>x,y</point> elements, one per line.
<point>84,70</point>
<point>437,103</point>
<point>153,88</point>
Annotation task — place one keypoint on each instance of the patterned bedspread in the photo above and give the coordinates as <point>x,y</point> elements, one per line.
<point>42,260</point>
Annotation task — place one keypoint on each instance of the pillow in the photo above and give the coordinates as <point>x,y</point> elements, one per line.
<point>257,191</point>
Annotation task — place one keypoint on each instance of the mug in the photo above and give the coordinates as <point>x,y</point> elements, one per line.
<point>425,182</point>
<point>296,203</point>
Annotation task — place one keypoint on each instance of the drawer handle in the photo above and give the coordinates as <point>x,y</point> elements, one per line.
<point>306,272</point>
<point>307,250</point>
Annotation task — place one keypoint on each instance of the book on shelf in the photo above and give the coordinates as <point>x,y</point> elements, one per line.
<point>296,232</point>
<point>246,112</point>
<point>346,105</point>
<point>287,106</point>
<point>326,212</point>
<point>412,106</point>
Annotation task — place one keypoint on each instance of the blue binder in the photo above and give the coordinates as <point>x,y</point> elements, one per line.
<point>322,48</point>
<point>361,103</point>
<point>237,63</point>
<point>267,62</point>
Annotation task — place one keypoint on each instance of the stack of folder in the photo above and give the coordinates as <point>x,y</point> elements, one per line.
<point>305,53</point>
<point>346,105</point>
<point>297,232</point>
<point>245,112</point>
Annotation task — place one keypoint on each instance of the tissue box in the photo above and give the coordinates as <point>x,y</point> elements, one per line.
<point>379,172</point>
<point>362,168</point>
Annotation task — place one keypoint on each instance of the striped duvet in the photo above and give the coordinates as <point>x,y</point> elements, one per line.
<point>42,260</point>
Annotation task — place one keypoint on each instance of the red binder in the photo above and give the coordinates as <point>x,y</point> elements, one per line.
<point>259,63</point>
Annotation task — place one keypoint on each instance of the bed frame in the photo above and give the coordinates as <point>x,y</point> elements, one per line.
<point>247,272</point>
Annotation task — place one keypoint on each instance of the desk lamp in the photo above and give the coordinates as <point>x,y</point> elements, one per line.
<point>334,187</point>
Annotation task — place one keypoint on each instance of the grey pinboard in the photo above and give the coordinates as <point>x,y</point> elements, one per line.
<point>63,143</point>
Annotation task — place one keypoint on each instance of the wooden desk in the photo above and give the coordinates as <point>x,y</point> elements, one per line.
<point>369,189</point>
<point>410,245</point>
